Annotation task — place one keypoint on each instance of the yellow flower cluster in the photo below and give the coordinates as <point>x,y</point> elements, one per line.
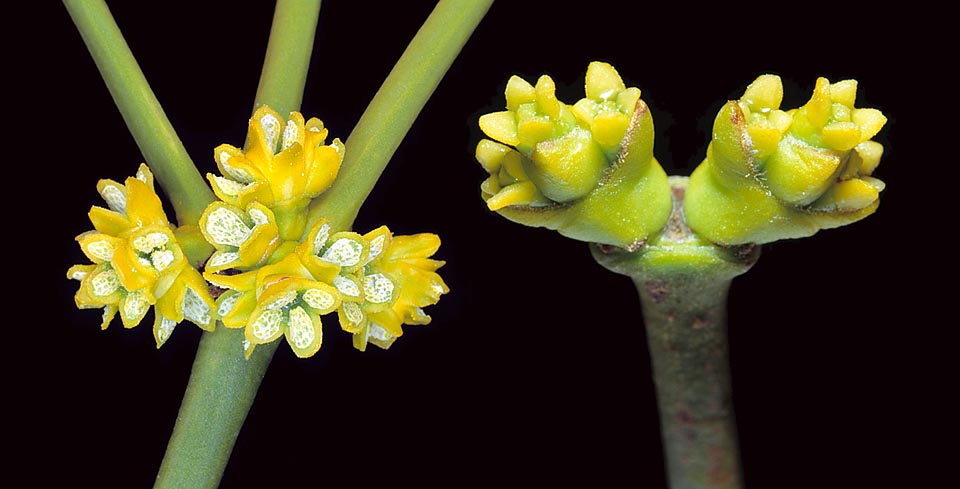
<point>273,277</point>
<point>137,262</point>
<point>376,282</point>
<point>285,165</point>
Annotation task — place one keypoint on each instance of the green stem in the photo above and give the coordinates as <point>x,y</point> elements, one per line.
<point>395,107</point>
<point>156,138</point>
<point>223,385</point>
<point>683,284</point>
<point>284,73</point>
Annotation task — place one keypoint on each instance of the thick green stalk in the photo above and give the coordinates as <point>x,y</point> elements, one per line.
<point>683,284</point>
<point>395,107</point>
<point>223,384</point>
<point>156,138</point>
<point>284,73</point>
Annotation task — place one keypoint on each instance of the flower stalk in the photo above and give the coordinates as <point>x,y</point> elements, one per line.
<point>683,283</point>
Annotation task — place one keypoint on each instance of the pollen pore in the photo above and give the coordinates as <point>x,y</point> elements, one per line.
<point>283,301</point>
<point>377,288</point>
<point>149,242</point>
<point>226,228</point>
<point>228,186</point>
<point>258,216</point>
<point>346,286</point>
<point>165,329</point>
<point>291,133</point>
<point>220,259</point>
<point>301,328</point>
<point>323,234</point>
<point>267,324</point>
<point>105,283</point>
<point>115,198</point>
<point>102,249</point>
<point>378,332</point>
<point>136,305</point>
<point>319,299</point>
<point>376,247</point>
<point>226,305</point>
<point>235,173</point>
<point>352,312</point>
<point>345,252</point>
<point>161,259</point>
<point>271,129</point>
<point>195,309</point>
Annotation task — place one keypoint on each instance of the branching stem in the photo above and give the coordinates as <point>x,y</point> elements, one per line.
<point>395,107</point>
<point>156,138</point>
<point>683,283</point>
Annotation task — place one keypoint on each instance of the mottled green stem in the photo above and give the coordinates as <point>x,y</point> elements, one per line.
<point>158,142</point>
<point>223,384</point>
<point>395,107</point>
<point>683,283</point>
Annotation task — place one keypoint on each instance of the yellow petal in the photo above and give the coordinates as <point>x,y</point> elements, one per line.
<point>818,108</point>
<point>501,126</point>
<point>323,168</point>
<point>609,128</point>
<point>766,92</point>
<point>546,97</point>
<point>518,92</point>
<point>534,130</point>
<point>847,196</point>
<point>520,193</point>
<point>764,138</point>
<point>844,92</point>
<point>143,204</point>
<point>841,135</point>
<point>602,81</point>
<point>869,152</point>
<point>108,221</point>
<point>490,153</point>
<point>870,122</point>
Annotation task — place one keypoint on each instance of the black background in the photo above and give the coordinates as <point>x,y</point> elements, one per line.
<point>534,370</point>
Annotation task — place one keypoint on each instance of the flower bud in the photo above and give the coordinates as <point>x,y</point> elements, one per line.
<point>772,174</point>
<point>586,170</point>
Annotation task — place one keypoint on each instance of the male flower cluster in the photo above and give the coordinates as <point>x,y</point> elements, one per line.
<point>274,277</point>
<point>137,262</point>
